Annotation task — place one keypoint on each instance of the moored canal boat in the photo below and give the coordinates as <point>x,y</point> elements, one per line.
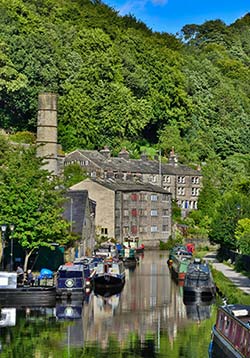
<point>199,281</point>
<point>109,273</point>
<point>13,294</point>
<point>178,263</point>
<point>70,281</point>
<point>231,333</point>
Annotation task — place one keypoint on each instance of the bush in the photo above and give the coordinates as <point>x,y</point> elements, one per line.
<point>170,243</point>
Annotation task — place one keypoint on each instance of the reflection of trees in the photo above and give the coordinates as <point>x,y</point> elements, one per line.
<point>191,341</point>
<point>31,337</point>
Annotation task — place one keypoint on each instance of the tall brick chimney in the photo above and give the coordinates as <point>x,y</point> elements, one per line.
<point>47,131</point>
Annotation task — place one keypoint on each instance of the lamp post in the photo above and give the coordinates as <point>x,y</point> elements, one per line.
<point>3,230</point>
<point>12,227</point>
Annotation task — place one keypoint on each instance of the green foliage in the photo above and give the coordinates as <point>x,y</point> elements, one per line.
<point>73,174</point>
<point>23,137</point>
<point>32,200</point>
<point>170,243</point>
<point>242,234</point>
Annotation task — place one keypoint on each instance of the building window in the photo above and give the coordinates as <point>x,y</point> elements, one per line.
<point>195,205</point>
<point>195,191</point>
<point>153,179</point>
<point>143,197</point>
<point>154,197</point>
<point>133,229</point>
<point>165,212</point>
<point>104,231</point>
<point>154,212</point>
<point>164,228</point>
<point>166,179</point>
<point>195,180</point>
<point>134,197</point>
<point>143,229</point>
<point>134,212</point>
<point>142,212</point>
<point>125,212</point>
<point>181,179</point>
<point>125,230</point>
<point>181,190</point>
<point>125,196</point>
<point>165,197</point>
<point>154,228</point>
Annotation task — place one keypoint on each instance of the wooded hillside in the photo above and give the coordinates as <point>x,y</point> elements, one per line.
<point>120,84</point>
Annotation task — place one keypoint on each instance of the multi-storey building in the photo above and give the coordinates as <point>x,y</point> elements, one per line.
<point>128,209</point>
<point>184,183</point>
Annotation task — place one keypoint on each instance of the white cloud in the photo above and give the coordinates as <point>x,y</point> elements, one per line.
<point>131,5</point>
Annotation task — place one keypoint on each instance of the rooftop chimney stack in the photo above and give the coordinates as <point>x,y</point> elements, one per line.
<point>124,154</point>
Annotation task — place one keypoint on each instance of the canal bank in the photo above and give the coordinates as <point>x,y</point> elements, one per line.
<point>240,281</point>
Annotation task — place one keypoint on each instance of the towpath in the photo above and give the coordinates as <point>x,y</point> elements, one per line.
<point>239,280</point>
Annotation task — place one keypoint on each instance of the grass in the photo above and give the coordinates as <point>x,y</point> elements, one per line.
<point>228,290</point>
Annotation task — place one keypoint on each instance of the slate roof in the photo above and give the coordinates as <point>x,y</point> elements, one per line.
<point>128,186</point>
<point>118,164</point>
<point>76,211</point>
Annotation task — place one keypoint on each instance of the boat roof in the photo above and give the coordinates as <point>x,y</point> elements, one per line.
<point>71,268</point>
<point>241,312</point>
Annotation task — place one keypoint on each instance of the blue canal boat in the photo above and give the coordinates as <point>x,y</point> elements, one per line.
<point>70,281</point>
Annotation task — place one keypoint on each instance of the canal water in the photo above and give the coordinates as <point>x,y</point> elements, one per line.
<point>148,318</point>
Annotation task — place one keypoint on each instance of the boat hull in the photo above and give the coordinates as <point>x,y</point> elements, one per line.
<point>108,281</point>
<point>221,348</point>
<point>28,296</point>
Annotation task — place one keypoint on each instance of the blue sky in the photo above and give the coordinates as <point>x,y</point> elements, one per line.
<point>171,15</point>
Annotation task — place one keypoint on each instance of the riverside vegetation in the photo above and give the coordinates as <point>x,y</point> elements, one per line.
<point>138,89</point>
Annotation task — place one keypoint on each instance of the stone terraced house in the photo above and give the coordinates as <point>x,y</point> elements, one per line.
<point>128,209</point>
<point>184,183</point>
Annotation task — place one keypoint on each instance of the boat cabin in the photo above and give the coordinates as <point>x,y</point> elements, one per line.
<point>70,279</point>
<point>233,324</point>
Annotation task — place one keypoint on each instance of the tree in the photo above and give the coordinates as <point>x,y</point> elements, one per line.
<point>32,199</point>
<point>242,234</point>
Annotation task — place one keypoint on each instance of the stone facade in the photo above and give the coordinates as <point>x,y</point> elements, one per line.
<point>128,209</point>
<point>182,182</point>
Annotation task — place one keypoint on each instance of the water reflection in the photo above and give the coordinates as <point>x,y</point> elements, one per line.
<point>147,317</point>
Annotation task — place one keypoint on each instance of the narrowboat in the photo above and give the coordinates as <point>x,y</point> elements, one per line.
<point>199,281</point>
<point>231,333</point>
<point>105,250</point>
<point>134,243</point>
<point>89,267</point>
<point>70,281</point>
<point>109,273</point>
<point>24,295</point>
<point>129,257</point>
<point>179,260</point>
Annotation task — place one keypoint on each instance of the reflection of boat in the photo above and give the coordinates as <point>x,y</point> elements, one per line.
<point>12,295</point>
<point>199,281</point>
<point>198,312</point>
<point>66,311</point>
<point>103,291</point>
<point>70,281</point>
<point>7,317</point>
<point>179,260</point>
<point>109,273</point>
<point>231,333</point>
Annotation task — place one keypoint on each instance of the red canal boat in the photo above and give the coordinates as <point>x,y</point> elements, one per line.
<point>231,333</point>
